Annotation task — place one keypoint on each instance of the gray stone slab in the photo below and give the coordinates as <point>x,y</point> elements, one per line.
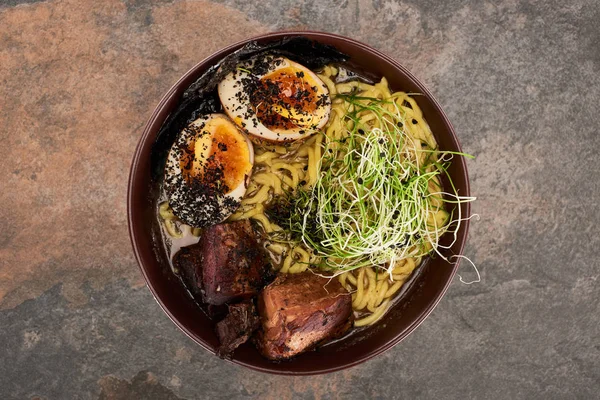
<point>520,81</point>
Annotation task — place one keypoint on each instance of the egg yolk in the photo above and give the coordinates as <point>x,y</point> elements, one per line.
<point>286,99</point>
<point>219,157</point>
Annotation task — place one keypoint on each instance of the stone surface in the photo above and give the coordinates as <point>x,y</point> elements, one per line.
<point>520,81</point>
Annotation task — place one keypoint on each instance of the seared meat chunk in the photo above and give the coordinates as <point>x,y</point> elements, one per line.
<point>234,265</point>
<point>227,264</point>
<point>188,261</point>
<point>239,324</point>
<point>298,311</point>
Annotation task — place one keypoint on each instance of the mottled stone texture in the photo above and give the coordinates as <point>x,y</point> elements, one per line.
<point>520,81</point>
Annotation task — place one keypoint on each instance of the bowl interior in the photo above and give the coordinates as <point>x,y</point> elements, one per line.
<point>426,288</point>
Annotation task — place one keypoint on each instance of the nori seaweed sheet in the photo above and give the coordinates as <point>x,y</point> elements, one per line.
<point>201,96</point>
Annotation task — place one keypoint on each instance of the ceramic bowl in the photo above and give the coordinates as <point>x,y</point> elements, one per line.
<point>426,289</point>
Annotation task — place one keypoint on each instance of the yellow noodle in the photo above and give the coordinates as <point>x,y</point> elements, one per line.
<point>289,183</point>
<point>165,211</point>
<point>330,85</point>
<point>312,167</point>
<point>260,197</point>
<point>294,172</point>
<point>382,291</point>
<point>350,86</point>
<point>296,268</point>
<point>374,317</point>
<point>350,277</point>
<point>168,220</point>
<point>172,229</point>
<point>406,268</point>
<point>392,290</point>
<point>276,248</point>
<point>269,179</point>
<point>302,151</point>
<point>371,289</point>
<point>370,273</point>
<point>266,224</point>
<point>304,256</point>
<point>372,303</point>
<point>280,149</point>
<point>286,265</point>
<point>358,299</point>
<point>399,277</point>
<point>264,157</point>
<point>342,278</point>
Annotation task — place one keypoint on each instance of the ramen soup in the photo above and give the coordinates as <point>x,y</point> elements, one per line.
<point>298,208</point>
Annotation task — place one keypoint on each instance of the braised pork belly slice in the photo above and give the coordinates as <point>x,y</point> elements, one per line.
<point>299,311</point>
<point>227,264</point>
<point>237,327</point>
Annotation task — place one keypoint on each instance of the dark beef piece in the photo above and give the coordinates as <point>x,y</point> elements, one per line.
<point>227,264</point>
<point>299,311</point>
<point>234,263</point>
<point>239,324</point>
<point>188,261</point>
<point>216,312</point>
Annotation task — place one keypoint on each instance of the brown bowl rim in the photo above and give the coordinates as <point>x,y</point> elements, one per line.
<point>133,176</point>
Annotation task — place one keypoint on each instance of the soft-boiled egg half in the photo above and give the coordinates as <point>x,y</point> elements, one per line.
<point>208,170</point>
<point>275,99</point>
